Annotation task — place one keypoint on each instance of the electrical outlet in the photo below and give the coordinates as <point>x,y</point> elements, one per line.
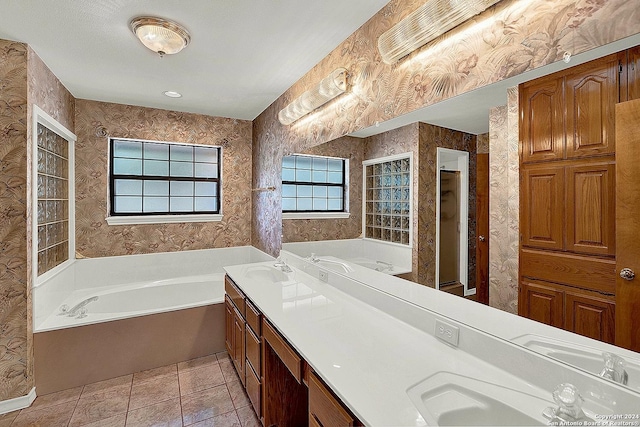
<point>323,275</point>
<point>447,333</point>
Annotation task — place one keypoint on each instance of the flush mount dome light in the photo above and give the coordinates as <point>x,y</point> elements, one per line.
<point>160,35</point>
<point>172,94</point>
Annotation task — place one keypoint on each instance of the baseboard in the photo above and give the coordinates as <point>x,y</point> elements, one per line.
<point>16,403</point>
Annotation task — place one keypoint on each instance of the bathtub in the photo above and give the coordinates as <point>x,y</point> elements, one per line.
<point>138,312</point>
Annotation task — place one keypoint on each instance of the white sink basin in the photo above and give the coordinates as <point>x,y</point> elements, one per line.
<point>583,357</point>
<point>448,399</point>
<point>267,274</point>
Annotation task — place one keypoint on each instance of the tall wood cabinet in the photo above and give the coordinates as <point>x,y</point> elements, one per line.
<point>567,193</point>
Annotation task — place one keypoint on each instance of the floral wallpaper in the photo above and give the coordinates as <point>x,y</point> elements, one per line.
<point>97,121</point>
<point>301,230</point>
<point>504,187</point>
<point>506,40</point>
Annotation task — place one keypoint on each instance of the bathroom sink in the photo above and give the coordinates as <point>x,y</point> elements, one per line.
<point>583,357</point>
<point>448,399</point>
<point>267,274</point>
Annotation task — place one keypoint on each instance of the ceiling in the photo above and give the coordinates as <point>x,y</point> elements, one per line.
<point>243,54</point>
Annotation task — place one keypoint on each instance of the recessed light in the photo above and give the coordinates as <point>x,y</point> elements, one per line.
<point>172,94</point>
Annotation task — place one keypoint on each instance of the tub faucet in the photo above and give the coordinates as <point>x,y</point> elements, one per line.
<point>79,311</point>
<point>283,266</point>
<point>314,259</point>
<point>614,368</point>
<point>569,410</point>
<point>385,266</point>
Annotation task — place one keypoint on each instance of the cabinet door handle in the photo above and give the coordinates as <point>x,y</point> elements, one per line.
<point>627,274</point>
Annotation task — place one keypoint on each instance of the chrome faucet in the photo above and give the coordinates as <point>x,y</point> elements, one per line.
<point>78,311</point>
<point>569,410</point>
<point>387,266</point>
<point>282,265</point>
<point>314,259</point>
<point>614,368</point>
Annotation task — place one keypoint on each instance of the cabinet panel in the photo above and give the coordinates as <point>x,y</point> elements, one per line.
<point>591,208</point>
<point>254,317</point>
<point>253,390</point>
<point>542,125</point>
<point>542,207</point>
<point>235,294</point>
<point>324,409</point>
<point>228,325</point>
<point>542,303</point>
<point>633,73</point>
<point>590,316</point>
<point>238,344</point>
<point>253,350</point>
<point>591,92</point>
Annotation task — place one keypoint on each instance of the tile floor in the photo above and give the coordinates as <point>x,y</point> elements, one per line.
<point>204,392</point>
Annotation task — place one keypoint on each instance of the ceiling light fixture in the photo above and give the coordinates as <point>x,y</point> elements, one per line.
<point>172,94</point>
<point>429,21</point>
<point>330,87</point>
<point>160,35</point>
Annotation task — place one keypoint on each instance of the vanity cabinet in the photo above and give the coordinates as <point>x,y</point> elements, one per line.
<point>324,408</point>
<point>567,194</point>
<point>633,73</point>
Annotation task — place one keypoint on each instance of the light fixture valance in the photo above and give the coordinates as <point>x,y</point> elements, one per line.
<point>160,35</point>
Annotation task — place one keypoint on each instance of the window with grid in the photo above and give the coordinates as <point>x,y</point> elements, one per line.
<point>388,199</point>
<point>53,199</point>
<point>163,178</point>
<point>313,184</point>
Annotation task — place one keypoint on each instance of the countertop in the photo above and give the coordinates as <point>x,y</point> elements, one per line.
<point>368,357</point>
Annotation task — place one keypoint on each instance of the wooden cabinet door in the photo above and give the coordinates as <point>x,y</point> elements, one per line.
<point>542,207</point>
<point>228,326</point>
<point>628,224</point>
<point>633,73</point>
<point>541,303</point>
<point>590,208</point>
<point>542,120</point>
<point>238,344</point>
<point>591,93</point>
<point>590,316</point>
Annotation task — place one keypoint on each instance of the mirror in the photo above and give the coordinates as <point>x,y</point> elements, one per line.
<point>575,350</point>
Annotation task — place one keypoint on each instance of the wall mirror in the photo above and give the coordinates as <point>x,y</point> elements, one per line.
<point>467,113</point>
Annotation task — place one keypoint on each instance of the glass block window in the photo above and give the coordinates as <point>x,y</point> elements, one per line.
<point>52,199</point>
<point>313,184</point>
<point>160,178</point>
<point>388,200</point>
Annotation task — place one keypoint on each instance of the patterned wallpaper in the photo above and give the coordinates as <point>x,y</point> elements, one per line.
<point>299,230</point>
<point>96,121</point>
<point>510,38</point>
<point>504,187</point>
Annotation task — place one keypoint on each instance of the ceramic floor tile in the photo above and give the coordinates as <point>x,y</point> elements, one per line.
<point>248,417</point>
<point>230,419</point>
<point>101,405</point>
<point>228,370</point>
<point>52,399</point>
<point>198,363</point>
<point>107,385</point>
<point>115,421</point>
<point>52,416</point>
<point>147,393</point>
<point>197,379</point>
<point>166,414</point>
<point>238,395</point>
<point>206,404</point>
<point>223,355</point>
<point>155,373</point>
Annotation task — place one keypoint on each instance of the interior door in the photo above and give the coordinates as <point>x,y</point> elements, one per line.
<point>628,224</point>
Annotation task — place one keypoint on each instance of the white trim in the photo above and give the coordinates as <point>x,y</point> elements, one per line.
<point>162,219</point>
<point>315,215</point>
<point>41,117</point>
<point>388,158</point>
<point>17,403</point>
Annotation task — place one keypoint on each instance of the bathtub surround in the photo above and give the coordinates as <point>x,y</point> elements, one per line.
<point>97,121</point>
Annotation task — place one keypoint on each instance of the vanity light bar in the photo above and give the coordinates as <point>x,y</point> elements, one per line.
<point>430,20</point>
<point>330,87</point>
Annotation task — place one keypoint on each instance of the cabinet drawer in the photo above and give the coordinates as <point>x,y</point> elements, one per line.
<point>324,409</point>
<point>236,295</point>
<point>253,390</point>
<point>287,355</point>
<point>253,350</point>
<point>253,316</point>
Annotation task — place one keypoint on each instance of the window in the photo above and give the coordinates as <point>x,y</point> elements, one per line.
<point>53,228</point>
<point>313,184</point>
<point>387,205</point>
<point>149,178</point>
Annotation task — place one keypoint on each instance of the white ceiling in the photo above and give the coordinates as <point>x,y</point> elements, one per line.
<point>243,54</point>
